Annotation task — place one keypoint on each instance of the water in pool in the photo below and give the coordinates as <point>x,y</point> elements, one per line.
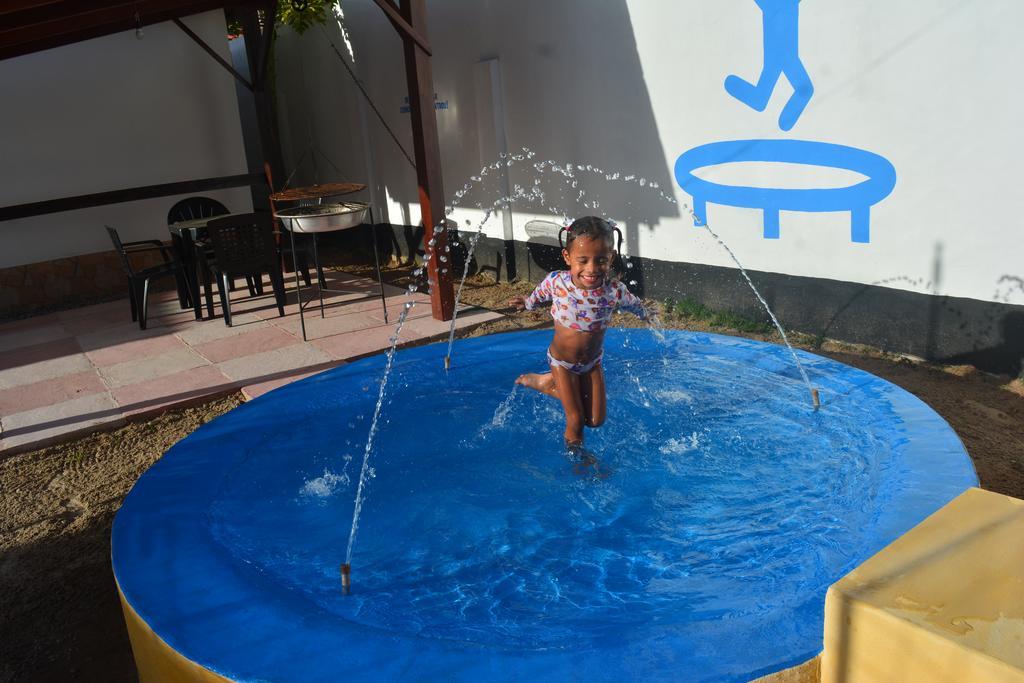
<point>697,535</point>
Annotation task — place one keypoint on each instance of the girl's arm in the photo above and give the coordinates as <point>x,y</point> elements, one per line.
<point>627,301</point>
<point>543,293</point>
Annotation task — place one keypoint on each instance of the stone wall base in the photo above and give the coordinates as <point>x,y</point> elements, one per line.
<point>68,282</point>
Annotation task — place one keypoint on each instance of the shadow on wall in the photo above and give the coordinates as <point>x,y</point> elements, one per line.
<point>986,334</point>
<point>572,90</point>
<point>1007,356</point>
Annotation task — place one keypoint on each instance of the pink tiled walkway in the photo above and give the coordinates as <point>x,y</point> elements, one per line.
<point>75,371</point>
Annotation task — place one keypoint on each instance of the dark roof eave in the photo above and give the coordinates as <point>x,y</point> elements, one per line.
<point>28,26</point>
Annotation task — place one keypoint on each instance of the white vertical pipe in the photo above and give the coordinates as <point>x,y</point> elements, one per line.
<point>491,127</point>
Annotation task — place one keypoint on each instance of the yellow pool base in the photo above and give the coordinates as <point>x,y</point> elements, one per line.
<point>156,661</point>
<point>808,672</point>
<point>942,603</point>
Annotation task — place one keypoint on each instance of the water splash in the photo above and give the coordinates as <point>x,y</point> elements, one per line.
<point>681,445</point>
<point>501,413</point>
<point>324,486</point>
<point>366,471</point>
<point>414,286</point>
<point>673,396</point>
<point>700,220</point>
<point>641,390</point>
<point>569,172</point>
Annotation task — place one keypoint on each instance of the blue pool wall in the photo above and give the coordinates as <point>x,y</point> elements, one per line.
<point>226,617</point>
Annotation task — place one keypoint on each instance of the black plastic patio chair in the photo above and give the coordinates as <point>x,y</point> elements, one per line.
<point>138,280</point>
<point>203,207</point>
<point>191,208</point>
<point>242,244</point>
<point>195,207</point>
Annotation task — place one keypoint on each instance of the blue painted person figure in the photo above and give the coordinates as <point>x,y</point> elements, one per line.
<point>781,57</point>
<point>583,298</point>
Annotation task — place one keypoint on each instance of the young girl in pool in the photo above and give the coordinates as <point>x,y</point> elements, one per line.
<point>583,299</point>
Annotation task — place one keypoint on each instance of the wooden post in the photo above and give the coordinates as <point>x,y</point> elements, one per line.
<point>428,159</point>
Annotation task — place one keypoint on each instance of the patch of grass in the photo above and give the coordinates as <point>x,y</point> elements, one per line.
<point>694,310</point>
<point>811,341</point>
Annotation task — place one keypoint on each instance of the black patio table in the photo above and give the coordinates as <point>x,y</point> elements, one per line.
<point>184,236</point>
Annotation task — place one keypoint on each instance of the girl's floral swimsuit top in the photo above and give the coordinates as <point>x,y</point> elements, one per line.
<point>586,310</point>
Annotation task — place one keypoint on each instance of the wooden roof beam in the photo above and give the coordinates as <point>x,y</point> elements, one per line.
<point>210,51</point>
<point>402,26</point>
<point>27,26</point>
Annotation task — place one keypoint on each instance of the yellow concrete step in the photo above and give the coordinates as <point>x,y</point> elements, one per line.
<point>944,602</point>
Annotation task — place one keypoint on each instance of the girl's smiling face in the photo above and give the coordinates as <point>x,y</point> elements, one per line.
<point>589,261</point>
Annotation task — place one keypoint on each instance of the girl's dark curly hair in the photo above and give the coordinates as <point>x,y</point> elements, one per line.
<point>593,228</point>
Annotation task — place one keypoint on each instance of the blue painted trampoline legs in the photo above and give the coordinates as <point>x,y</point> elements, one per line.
<point>860,221</point>
<point>700,208</point>
<point>860,224</point>
<point>771,224</point>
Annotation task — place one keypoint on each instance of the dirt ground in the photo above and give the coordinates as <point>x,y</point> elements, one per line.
<point>60,618</point>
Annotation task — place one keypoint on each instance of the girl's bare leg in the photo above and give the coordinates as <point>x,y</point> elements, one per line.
<point>567,388</point>
<point>542,382</point>
<point>594,397</point>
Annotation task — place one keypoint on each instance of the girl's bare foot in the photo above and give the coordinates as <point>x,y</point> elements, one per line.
<point>542,382</point>
<point>573,446</point>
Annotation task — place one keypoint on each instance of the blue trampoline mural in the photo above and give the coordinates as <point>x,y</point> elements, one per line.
<point>782,58</point>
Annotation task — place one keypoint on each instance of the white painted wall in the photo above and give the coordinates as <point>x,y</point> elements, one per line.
<point>628,85</point>
<point>112,113</point>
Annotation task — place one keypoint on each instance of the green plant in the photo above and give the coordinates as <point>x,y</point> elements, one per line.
<point>694,310</point>
<point>299,15</point>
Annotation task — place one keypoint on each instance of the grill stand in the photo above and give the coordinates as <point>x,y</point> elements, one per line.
<point>320,289</point>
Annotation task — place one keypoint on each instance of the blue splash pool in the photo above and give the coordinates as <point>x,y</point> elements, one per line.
<point>698,545</point>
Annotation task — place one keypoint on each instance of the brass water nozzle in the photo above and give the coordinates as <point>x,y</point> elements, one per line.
<point>346,579</point>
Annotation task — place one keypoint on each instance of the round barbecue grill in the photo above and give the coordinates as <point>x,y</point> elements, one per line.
<point>324,217</point>
<point>311,216</point>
